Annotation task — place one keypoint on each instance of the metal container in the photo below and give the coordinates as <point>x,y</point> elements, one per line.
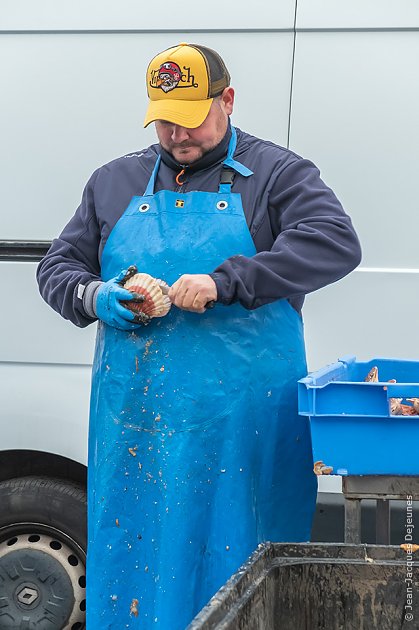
<point>318,587</point>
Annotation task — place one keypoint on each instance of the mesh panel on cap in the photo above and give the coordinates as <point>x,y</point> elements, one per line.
<point>218,74</point>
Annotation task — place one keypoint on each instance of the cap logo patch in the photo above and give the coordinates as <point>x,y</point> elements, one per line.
<point>169,76</point>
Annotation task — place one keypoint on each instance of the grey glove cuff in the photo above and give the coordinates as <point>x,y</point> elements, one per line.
<point>89,297</point>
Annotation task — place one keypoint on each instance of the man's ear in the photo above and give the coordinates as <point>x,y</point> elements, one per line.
<point>227,100</point>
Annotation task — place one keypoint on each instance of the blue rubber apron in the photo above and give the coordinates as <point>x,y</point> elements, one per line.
<point>196,450</point>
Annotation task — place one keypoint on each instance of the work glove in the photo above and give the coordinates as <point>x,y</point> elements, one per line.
<point>109,309</point>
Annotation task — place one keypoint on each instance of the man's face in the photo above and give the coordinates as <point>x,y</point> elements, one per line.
<point>188,145</point>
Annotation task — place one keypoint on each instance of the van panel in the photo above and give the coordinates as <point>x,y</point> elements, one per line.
<point>367,314</point>
<point>31,332</point>
<point>357,14</point>
<point>45,408</point>
<point>131,14</point>
<point>354,113</point>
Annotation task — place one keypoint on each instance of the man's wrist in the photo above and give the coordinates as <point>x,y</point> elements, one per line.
<point>90,297</point>
<point>221,295</point>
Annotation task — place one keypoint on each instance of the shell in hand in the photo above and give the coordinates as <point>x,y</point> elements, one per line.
<point>156,304</point>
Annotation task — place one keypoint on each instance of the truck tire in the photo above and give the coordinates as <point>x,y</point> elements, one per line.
<point>42,554</point>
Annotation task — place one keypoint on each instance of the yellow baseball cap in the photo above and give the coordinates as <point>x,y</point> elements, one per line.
<point>182,82</point>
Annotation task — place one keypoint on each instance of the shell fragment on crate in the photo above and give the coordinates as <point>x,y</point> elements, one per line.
<point>397,407</point>
<point>372,376</point>
<point>156,303</point>
<point>320,468</point>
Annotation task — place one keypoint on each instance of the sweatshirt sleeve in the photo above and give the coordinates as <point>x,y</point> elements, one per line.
<point>314,245</point>
<point>72,260</point>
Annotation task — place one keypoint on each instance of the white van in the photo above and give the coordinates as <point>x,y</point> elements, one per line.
<point>333,81</point>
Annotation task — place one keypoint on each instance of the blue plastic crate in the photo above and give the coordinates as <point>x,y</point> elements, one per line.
<point>352,429</point>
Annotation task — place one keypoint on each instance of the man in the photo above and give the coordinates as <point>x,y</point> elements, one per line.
<point>196,450</point>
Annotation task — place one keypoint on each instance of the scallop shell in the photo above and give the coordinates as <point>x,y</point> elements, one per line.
<point>155,304</point>
<point>320,468</point>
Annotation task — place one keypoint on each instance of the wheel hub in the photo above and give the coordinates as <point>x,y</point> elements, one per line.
<point>42,581</point>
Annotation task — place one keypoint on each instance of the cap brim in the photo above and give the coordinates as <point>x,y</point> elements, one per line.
<point>189,114</point>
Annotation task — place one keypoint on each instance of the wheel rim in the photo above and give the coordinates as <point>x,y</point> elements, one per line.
<point>42,578</point>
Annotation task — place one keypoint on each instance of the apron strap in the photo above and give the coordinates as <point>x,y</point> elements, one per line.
<point>226,180</point>
<point>149,191</point>
<point>231,166</point>
<point>230,162</point>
